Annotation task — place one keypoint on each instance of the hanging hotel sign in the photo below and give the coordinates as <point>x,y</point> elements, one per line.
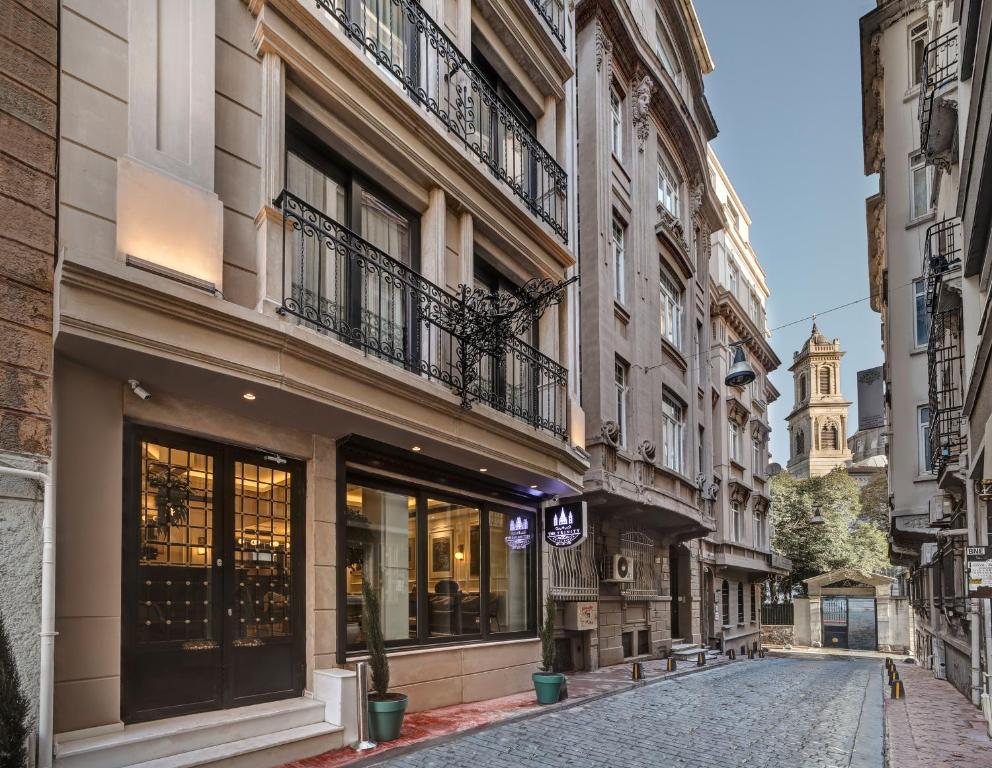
<point>979,571</point>
<point>565,525</point>
<point>520,534</point>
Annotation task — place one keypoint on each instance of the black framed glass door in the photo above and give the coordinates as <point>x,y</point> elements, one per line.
<point>212,576</point>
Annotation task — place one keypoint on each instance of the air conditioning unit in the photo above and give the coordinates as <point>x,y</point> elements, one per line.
<point>927,551</point>
<point>621,569</point>
<point>941,510</point>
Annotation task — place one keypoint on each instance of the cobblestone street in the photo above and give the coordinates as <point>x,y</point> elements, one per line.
<point>779,713</point>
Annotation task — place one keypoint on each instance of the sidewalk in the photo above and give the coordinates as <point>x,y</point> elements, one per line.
<point>934,726</point>
<point>446,721</point>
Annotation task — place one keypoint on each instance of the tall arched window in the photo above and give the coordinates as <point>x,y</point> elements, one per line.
<point>754,603</point>
<point>800,443</point>
<point>740,603</point>
<point>828,438</point>
<point>825,380</point>
<point>725,601</point>
<point>802,387</point>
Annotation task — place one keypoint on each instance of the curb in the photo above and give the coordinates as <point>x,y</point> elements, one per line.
<point>380,758</point>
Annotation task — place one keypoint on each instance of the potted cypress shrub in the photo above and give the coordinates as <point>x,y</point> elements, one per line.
<point>547,682</point>
<point>385,709</point>
<point>13,708</point>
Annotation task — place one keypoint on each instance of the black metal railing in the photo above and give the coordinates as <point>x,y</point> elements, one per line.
<point>945,360</point>
<point>778,613</point>
<point>940,68</point>
<point>402,38</point>
<point>941,256</point>
<point>553,13</point>
<point>339,283</point>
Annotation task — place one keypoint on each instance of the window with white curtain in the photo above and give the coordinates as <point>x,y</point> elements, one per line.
<point>619,259</point>
<point>668,189</point>
<point>733,276</point>
<point>621,373</point>
<point>673,433</point>
<point>921,318</point>
<point>738,521</point>
<point>671,310</point>
<point>756,463</point>
<point>917,46</point>
<point>616,125</point>
<point>924,445</point>
<point>920,178</point>
<point>736,447</point>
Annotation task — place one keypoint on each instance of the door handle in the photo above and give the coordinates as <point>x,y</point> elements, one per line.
<point>230,612</point>
<point>219,563</point>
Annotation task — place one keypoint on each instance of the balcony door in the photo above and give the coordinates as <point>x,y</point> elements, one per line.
<point>213,590</point>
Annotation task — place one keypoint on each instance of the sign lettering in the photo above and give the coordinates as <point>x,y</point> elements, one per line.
<point>565,525</point>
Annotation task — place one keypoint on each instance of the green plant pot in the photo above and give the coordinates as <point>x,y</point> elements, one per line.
<point>386,716</point>
<point>547,686</point>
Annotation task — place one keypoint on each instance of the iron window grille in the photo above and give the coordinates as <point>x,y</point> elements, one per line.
<point>940,69</point>
<point>941,256</point>
<point>553,13</point>
<point>573,574</point>
<point>339,283</point>
<point>740,603</point>
<point>639,549</point>
<point>945,358</point>
<point>402,38</point>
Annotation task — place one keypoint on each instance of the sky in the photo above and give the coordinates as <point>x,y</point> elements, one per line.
<point>786,95</point>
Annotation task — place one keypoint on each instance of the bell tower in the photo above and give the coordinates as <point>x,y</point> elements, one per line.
<point>818,421</point>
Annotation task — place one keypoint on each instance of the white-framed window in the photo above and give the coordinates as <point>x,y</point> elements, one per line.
<point>760,531</point>
<point>924,445</point>
<point>921,318</point>
<point>736,446</point>
<point>673,434</point>
<point>616,125</point>
<point>753,305</point>
<point>621,376</point>
<point>671,310</point>
<point>917,47</point>
<point>920,179</point>
<point>619,259</point>
<point>756,463</point>
<point>668,189</point>
<point>663,47</point>
<point>738,521</point>
<point>733,275</point>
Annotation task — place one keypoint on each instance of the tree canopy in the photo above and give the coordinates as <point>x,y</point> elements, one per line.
<point>853,534</point>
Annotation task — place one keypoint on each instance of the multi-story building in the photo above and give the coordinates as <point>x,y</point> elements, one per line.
<point>928,230</point>
<point>818,420</point>
<point>869,445</point>
<point>647,212</point>
<point>737,557</point>
<point>310,333</point>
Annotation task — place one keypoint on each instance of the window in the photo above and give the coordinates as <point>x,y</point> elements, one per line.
<point>738,521</point>
<point>917,48</point>
<point>733,276</point>
<point>620,375</point>
<point>829,437</point>
<point>754,603</point>
<point>802,388</point>
<point>619,259</point>
<point>443,568</point>
<point>756,464</point>
<point>920,179</point>
<point>760,533</point>
<point>663,47</point>
<point>616,125</point>
<point>740,603</point>
<point>701,467</point>
<point>673,434</point>
<point>701,360</point>
<point>671,310</point>
<point>753,305</point>
<point>825,380</point>
<point>668,190</point>
<point>800,443</point>
<point>725,601</point>
<point>923,440</point>
<point>921,318</point>
<point>736,445</point>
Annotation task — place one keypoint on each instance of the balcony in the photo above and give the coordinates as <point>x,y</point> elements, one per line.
<point>941,257</point>
<point>335,282</point>
<point>553,13</point>
<point>404,41</point>
<point>945,360</point>
<point>938,120</point>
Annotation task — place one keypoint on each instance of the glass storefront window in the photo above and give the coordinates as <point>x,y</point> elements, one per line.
<point>381,547</point>
<point>444,568</point>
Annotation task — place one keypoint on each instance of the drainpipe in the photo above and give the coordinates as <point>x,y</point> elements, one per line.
<point>47,634</point>
<point>974,617</point>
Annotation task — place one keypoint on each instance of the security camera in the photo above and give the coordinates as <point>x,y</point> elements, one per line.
<point>139,390</point>
<point>555,499</point>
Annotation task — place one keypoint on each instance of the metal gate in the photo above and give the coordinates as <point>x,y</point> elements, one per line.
<point>849,622</point>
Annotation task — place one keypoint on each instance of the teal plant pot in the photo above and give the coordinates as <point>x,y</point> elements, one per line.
<point>386,716</point>
<point>547,686</point>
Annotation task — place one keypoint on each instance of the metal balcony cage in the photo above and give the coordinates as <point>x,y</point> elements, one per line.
<point>403,39</point>
<point>337,282</point>
<point>940,69</point>
<point>639,549</point>
<point>945,358</point>
<point>573,574</point>
<point>941,256</point>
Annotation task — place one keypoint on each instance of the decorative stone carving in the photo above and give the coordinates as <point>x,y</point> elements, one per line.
<point>648,450</point>
<point>604,48</point>
<point>761,504</point>
<point>673,226</point>
<point>696,198</point>
<point>737,412</point>
<point>641,109</point>
<point>739,492</point>
<point>611,432</point>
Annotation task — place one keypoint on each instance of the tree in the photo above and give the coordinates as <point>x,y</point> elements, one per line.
<point>853,534</point>
<point>13,708</point>
<point>378,663</point>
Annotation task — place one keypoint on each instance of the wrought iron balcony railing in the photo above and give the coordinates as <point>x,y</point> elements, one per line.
<point>553,13</point>
<point>941,256</point>
<point>940,69</point>
<point>945,360</point>
<point>338,283</point>
<point>402,38</point>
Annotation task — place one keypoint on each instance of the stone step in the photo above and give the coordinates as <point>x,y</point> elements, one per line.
<point>178,736</point>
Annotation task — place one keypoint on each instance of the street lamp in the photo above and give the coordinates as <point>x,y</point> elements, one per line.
<point>817,518</point>
<point>740,374</point>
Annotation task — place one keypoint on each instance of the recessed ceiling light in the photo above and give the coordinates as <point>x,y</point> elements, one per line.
<point>534,487</point>
<point>483,469</point>
<point>249,395</point>
<point>416,449</point>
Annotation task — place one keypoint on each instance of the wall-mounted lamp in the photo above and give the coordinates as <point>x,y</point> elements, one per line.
<point>460,554</point>
<point>740,374</point>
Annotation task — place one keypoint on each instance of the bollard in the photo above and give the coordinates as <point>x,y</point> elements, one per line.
<point>731,654</point>
<point>362,688</point>
<point>701,659</point>
<point>893,675</point>
<point>670,664</point>
<point>750,653</point>
<point>761,653</point>
<point>898,691</point>
<point>636,671</point>
<point>754,646</point>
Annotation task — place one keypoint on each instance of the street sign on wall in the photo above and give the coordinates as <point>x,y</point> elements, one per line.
<point>979,571</point>
<point>565,525</point>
